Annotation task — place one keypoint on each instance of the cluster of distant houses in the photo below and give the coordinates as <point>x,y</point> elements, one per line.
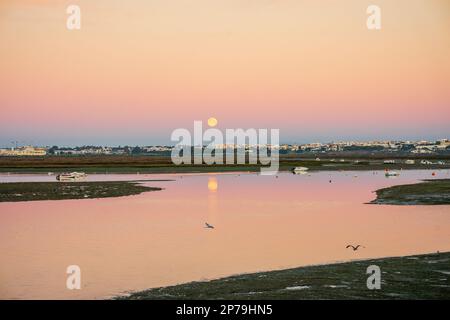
<point>417,147</point>
<point>414,147</point>
<point>95,150</point>
<point>410,161</point>
<point>24,151</point>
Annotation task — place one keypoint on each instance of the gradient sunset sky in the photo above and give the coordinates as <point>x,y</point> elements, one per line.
<point>138,69</point>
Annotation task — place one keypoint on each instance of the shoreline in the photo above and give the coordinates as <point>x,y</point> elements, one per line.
<point>211,169</point>
<point>426,192</point>
<point>164,164</point>
<point>54,190</point>
<point>420,276</point>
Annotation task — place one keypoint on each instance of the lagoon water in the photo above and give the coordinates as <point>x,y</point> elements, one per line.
<point>158,238</point>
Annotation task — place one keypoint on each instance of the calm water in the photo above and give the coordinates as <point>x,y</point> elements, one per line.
<point>158,238</point>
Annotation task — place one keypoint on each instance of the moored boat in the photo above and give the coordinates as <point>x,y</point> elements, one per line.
<point>300,170</point>
<point>391,174</point>
<point>72,176</point>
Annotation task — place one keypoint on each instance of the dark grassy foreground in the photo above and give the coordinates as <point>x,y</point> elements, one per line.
<point>429,192</point>
<point>32,191</point>
<point>414,277</point>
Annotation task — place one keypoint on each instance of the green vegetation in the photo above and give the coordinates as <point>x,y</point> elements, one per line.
<point>414,277</point>
<point>430,192</point>
<point>32,191</point>
<point>163,164</point>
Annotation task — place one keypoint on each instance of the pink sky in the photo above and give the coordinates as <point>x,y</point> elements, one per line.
<point>139,69</point>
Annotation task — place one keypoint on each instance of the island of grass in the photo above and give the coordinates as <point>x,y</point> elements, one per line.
<point>413,277</point>
<point>428,192</point>
<point>163,164</point>
<point>33,191</point>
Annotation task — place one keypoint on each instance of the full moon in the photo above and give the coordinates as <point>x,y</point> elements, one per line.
<point>212,122</point>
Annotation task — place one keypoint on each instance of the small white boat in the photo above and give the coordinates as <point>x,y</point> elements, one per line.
<point>300,170</point>
<point>72,176</point>
<point>391,174</point>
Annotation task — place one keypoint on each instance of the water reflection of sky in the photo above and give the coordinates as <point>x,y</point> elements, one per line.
<point>158,238</point>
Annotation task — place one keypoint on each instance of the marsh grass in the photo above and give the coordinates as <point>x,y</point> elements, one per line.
<point>428,192</point>
<point>414,277</point>
<point>33,191</point>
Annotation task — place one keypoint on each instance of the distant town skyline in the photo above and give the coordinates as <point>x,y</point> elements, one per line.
<point>137,70</point>
<point>14,144</point>
<point>422,147</point>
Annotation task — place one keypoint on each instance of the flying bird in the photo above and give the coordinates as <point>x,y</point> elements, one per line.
<point>207,225</point>
<point>354,247</point>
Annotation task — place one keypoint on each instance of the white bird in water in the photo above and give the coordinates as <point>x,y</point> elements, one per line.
<point>207,225</point>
